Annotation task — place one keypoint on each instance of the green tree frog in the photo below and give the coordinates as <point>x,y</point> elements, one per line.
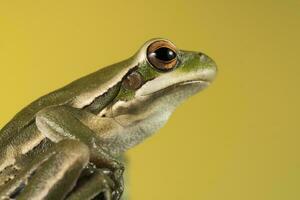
<point>65,144</point>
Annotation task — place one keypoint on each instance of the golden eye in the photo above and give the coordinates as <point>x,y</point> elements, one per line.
<point>162,55</point>
<point>133,81</point>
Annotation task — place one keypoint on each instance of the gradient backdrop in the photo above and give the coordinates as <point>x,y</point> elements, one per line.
<point>237,140</point>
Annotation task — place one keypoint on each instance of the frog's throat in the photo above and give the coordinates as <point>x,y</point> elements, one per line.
<point>145,115</point>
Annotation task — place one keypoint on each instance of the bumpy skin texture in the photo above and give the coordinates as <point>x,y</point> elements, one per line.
<point>65,145</point>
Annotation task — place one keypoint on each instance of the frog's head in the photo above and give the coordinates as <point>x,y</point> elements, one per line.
<point>160,78</point>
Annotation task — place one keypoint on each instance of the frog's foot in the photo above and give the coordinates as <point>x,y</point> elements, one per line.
<point>118,189</point>
<point>117,176</point>
<point>96,184</point>
<point>93,184</point>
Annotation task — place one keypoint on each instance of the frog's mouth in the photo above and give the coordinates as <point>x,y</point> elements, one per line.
<point>201,83</point>
<point>177,79</point>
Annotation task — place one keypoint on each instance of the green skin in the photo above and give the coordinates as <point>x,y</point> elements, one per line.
<point>65,145</point>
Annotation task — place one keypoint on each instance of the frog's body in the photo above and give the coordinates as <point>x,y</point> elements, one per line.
<point>64,144</point>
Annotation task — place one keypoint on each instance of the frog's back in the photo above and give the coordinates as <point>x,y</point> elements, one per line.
<point>78,93</point>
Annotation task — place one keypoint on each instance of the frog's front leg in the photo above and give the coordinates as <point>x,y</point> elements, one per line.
<point>63,122</point>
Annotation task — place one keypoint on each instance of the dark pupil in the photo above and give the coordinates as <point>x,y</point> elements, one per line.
<point>164,54</point>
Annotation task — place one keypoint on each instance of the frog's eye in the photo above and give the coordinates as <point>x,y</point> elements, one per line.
<point>133,81</point>
<point>162,55</point>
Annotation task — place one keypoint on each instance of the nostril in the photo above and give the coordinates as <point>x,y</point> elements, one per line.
<point>203,57</point>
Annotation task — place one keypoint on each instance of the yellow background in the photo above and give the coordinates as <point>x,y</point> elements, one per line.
<point>237,140</point>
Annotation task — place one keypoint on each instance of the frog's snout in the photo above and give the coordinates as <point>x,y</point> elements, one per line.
<point>206,59</point>
<point>210,64</point>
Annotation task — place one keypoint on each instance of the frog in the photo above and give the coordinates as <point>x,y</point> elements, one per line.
<point>67,144</point>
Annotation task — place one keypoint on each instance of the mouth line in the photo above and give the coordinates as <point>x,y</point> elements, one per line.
<point>189,82</point>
